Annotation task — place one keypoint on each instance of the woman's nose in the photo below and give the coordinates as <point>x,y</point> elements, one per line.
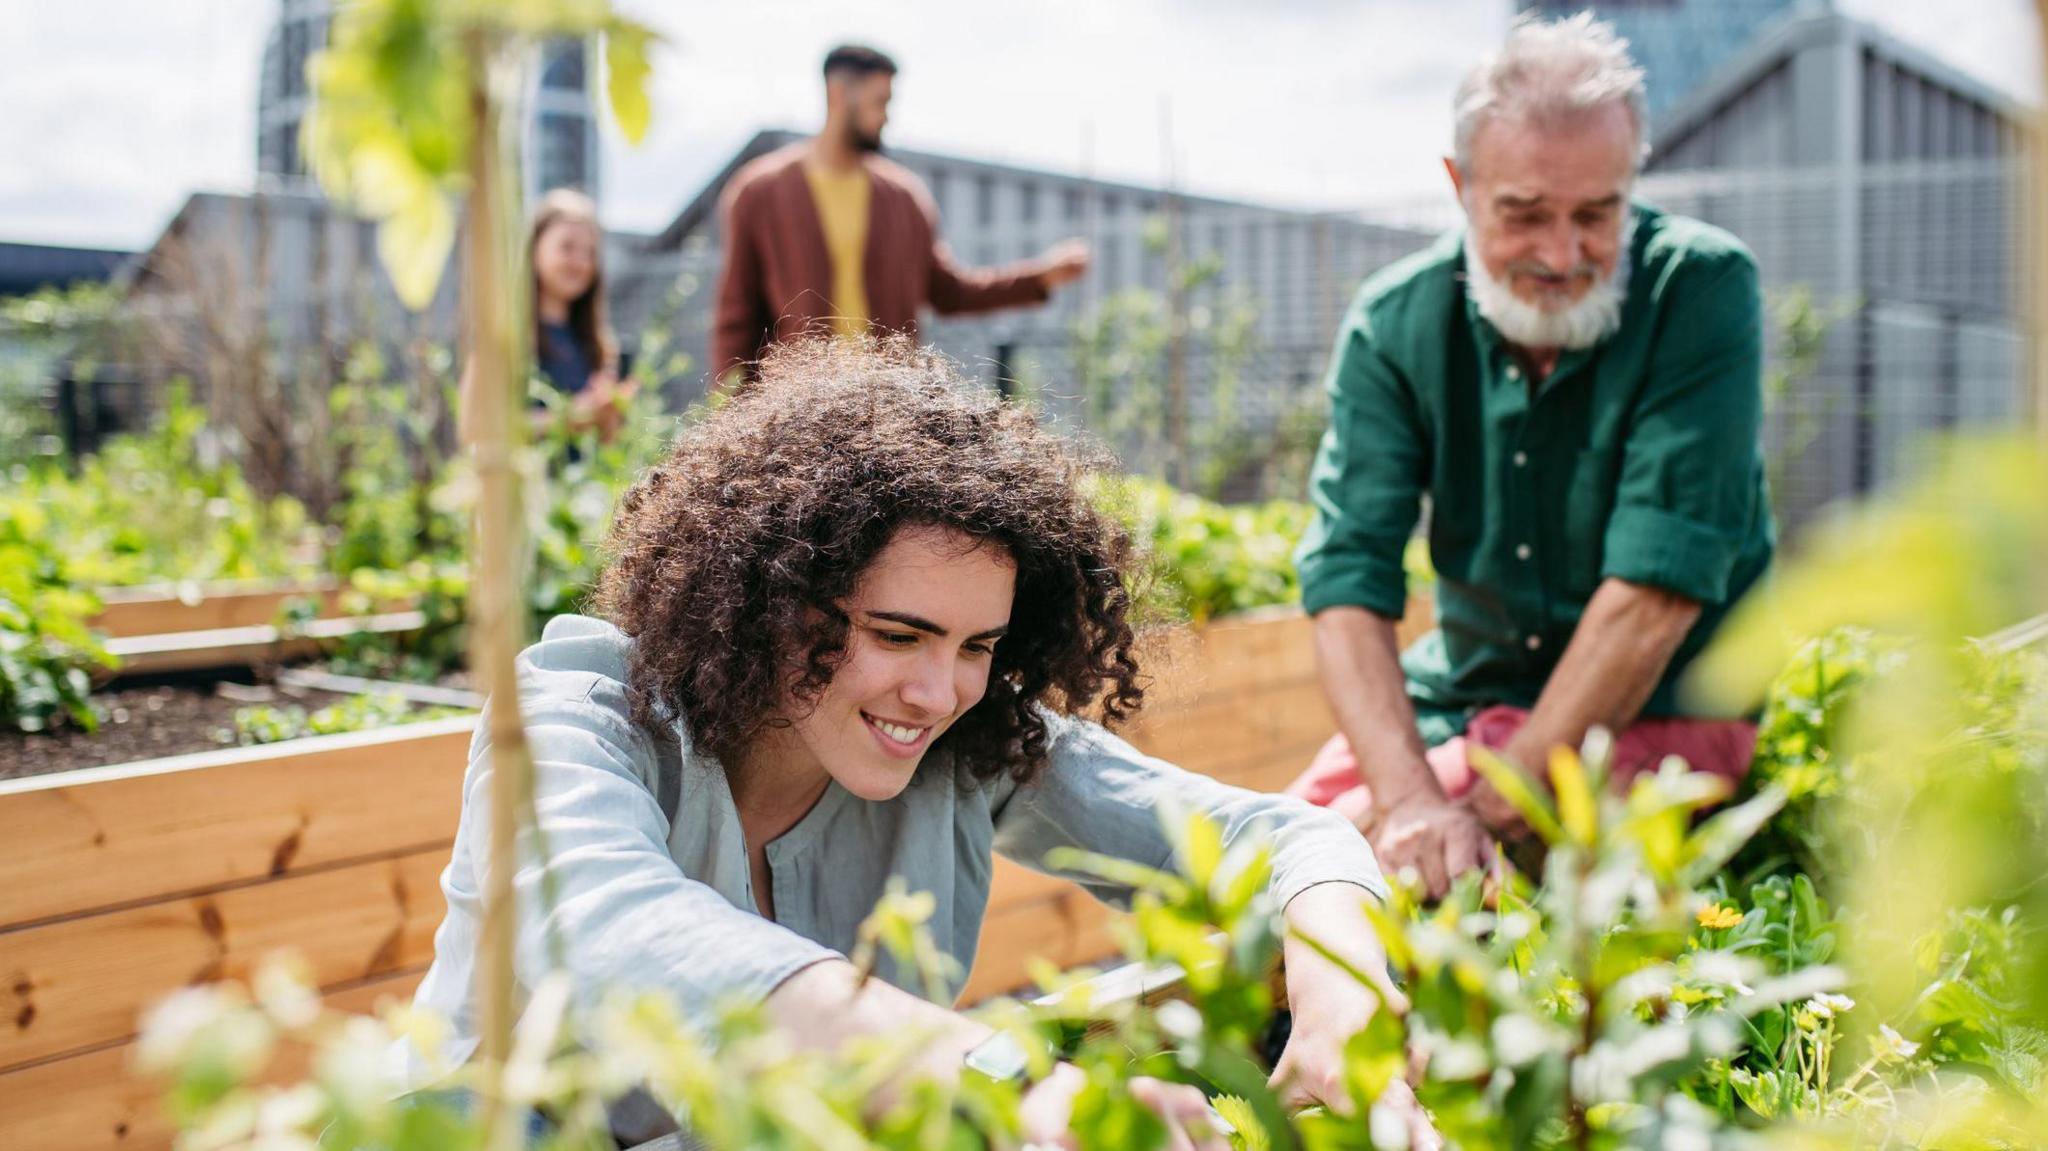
<point>930,688</point>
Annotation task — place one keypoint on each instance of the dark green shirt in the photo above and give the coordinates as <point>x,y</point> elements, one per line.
<point>1638,459</point>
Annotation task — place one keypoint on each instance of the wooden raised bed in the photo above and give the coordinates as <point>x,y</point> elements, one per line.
<point>122,884</point>
<point>159,628</point>
<point>153,609</point>
<point>207,650</point>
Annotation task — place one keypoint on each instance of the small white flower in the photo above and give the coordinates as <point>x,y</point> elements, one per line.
<point>1519,1040</point>
<point>1180,1020</point>
<point>1827,1006</point>
<point>285,990</point>
<point>1388,1127</point>
<point>1893,1047</point>
<point>173,1026</point>
<point>351,1065</point>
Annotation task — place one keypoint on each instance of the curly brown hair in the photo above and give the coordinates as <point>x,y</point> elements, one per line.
<point>730,560</point>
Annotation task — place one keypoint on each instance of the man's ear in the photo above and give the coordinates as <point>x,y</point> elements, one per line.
<point>1457,177</point>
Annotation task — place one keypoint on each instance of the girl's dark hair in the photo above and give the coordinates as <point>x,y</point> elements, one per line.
<point>588,322</point>
<point>730,560</point>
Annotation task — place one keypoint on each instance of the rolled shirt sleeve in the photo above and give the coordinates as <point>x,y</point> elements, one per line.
<point>623,912</point>
<point>1366,484</point>
<point>1685,501</point>
<point>1100,794</point>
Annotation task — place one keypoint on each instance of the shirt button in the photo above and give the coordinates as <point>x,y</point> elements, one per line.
<point>1521,459</point>
<point>1514,373</point>
<point>1533,642</point>
<point>1521,551</point>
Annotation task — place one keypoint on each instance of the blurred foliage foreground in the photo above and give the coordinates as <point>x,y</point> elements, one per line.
<point>1849,954</point>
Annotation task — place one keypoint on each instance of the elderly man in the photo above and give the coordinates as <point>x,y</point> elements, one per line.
<point>1574,381</point>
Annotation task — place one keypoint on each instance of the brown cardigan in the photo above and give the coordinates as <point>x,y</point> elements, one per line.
<point>777,277</point>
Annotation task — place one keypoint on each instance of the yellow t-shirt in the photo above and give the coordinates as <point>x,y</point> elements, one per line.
<point>842,199</point>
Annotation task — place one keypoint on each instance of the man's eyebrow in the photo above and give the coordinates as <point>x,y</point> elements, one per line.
<point>924,625</point>
<point>1610,201</point>
<point>1510,200</point>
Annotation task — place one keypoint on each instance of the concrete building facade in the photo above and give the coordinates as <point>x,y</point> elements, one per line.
<point>1679,44</point>
<point>1286,275</point>
<point>1886,185</point>
<point>561,135</point>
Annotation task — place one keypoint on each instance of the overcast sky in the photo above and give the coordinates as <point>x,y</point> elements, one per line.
<point>112,111</point>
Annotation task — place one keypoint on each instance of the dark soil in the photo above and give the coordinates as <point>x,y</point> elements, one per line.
<point>147,722</point>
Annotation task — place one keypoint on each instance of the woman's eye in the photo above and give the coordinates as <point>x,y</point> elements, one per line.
<point>898,638</point>
<point>980,650</point>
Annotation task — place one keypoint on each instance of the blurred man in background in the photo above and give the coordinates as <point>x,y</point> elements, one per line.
<point>827,230</point>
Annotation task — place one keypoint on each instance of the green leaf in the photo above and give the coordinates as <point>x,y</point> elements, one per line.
<point>1106,1118</point>
<point>1514,787</point>
<point>1721,836</point>
<point>1201,845</point>
<point>626,72</point>
<point>1375,1057</point>
<point>1575,801</point>
<point>1248,1133</point>
<point>414,243</point>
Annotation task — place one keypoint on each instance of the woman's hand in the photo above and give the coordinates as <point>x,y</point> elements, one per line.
<point>1330,1006</point>
<point>601,404</point>
<point>1047,1111</point>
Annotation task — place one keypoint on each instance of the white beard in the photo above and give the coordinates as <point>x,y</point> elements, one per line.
<point>1581,325</point>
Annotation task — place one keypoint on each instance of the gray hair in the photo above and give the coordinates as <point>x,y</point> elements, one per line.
<point>1549,72</point>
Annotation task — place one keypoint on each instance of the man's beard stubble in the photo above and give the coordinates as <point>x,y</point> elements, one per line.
<point>1582,324</point>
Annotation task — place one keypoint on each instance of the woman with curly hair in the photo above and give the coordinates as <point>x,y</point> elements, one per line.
<point>848,630</point>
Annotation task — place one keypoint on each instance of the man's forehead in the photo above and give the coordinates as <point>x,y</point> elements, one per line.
<point>1525,197</point>
<point>1587,157</point>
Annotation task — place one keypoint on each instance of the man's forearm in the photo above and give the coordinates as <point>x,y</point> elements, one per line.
<point>1618,653</point>
<point>1360,664</point>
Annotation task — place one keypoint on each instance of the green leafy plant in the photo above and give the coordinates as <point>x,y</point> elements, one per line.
<point>1204,559</point>
<point>169,504</point>
<point>1938,823</point>
<point>46,647</point>
<point>268,724</point>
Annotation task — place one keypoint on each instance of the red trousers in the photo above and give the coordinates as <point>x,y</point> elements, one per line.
<point>1721,747</point>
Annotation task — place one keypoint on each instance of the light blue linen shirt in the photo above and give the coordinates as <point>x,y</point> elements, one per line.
<point>649,901</point>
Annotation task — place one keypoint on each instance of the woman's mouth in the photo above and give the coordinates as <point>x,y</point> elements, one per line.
<point>900,739</point>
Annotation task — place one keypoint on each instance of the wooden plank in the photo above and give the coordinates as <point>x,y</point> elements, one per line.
<point>1231,729</point>
<point>80,983</point>
<point>242,646</point>
<point>1189,665</point>
<point>1260,650</point>
<point>1067,930</point>
<point>93,839</point>
<point>1014,883</point>
<point>97,1102</point>
<point>157,608</point>
<point>1418,619</point>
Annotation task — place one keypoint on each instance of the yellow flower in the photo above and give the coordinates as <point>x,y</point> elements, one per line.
<point>1714,917</point>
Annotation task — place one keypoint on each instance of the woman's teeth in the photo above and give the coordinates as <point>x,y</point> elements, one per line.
<point>898,732</point>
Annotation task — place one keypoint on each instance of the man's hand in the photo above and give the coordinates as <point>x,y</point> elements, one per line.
<point>1065,262</point>
<point>1440,838</point>
<point>1047,1111</point>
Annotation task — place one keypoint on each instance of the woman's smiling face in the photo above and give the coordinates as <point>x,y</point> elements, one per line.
<point>923,624</point>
